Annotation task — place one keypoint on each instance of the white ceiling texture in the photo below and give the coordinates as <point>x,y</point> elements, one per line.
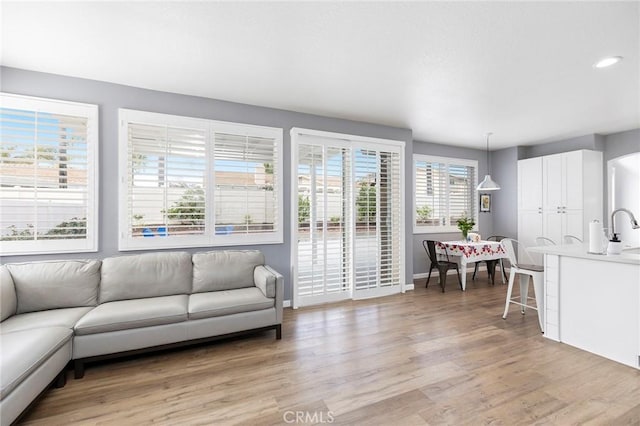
<point>451,71</point>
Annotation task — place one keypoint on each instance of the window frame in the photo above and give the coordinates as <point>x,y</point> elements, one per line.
<point>91,113</point>
<point>209,238</point>
<point>448,161</point>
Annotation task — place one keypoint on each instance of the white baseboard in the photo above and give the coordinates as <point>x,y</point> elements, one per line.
<point>407,287</point>
<point>411,287</point>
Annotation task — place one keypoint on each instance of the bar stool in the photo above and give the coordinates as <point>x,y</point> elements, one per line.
<point>526,270</point>
<point>571,239</point>
<point>544,241</point>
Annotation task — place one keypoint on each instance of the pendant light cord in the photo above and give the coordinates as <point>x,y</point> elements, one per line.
<point>488,161</point>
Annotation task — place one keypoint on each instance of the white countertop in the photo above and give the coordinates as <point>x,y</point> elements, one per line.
<point>581,251</point>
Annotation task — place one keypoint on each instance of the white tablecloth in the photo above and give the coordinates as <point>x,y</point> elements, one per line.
<point>469,252</point>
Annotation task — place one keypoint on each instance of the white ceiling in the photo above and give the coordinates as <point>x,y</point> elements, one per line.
<point>451,71</point>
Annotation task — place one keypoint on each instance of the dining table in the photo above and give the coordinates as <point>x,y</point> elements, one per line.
<point>466,252</point>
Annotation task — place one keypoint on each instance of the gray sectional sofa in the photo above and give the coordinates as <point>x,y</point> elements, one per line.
<point>54,312</point>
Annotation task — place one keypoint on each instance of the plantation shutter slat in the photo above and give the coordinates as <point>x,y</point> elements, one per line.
<point>366,238</point>
<point>324,223</point>
<point>461,192</point>
<point>377,254</point>
<point>336,211</point>
<point>47,175</point>
<point>390,220</point>
<point>245,177</point>
<point>438,198</point>
<point>445,192</point>
<point>166,168</point>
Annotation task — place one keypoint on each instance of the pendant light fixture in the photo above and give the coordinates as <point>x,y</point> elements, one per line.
<point>488,184</point>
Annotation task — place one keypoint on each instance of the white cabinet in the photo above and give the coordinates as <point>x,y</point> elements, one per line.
<point>530,218</point>
<point>563,206</point>
<point>530,184</point>
<point>553,183</point>
<point>575,176</point>
<point>562,178</point>
<point>592,302</point>
<point>530,226</point>
<point>604,320</point>
<point>565,190</point>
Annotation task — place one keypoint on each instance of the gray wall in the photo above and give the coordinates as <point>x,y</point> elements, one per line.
<point>623,143</point>
<point>485,225</point>
<point>593,142</point>
<point>109,97</point>
<point>504,208</point>
<point>501,221</point>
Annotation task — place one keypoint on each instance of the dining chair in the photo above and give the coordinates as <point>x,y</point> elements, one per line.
<point>571,239</point>
<point>525,268</point>
<point>492,263</point>
<point>544,241</point>
<point>442,266</point>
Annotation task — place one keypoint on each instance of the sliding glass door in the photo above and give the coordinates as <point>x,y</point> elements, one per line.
<point>347,228</point>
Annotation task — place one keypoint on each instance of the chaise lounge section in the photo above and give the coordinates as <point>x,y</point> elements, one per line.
<point>87,310</point>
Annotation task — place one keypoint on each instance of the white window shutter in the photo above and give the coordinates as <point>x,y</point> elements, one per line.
<point>48,175</point>
<point>188,182</point>
<point>445,192</point>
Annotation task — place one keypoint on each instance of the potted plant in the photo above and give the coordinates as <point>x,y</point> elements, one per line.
<point>465,224</point>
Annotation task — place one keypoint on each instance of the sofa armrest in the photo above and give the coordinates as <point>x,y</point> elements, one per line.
<point>271,283</point>
<point>265,280</point>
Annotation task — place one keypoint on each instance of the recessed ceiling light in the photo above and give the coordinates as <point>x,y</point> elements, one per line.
<point>607,62</point>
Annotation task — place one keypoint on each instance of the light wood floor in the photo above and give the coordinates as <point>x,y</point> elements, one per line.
<point>420,358</point>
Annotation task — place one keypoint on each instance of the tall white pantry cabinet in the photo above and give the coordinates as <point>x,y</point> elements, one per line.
<point>559,195</point>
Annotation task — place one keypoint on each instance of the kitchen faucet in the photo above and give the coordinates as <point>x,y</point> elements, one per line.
<point>634,222</point>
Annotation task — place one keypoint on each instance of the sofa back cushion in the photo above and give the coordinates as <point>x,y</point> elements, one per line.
<point>55,284</point>
<point>225,269</point>
<point>145,275</point>
<point>8,300</point>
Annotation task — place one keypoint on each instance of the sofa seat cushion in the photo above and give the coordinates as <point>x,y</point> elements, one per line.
<point>67,318</point>
<point>227,302</point>
<point>136,313</point>
<point>24,351</point>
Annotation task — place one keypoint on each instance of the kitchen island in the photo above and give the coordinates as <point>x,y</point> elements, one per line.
<point>592,301</point>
